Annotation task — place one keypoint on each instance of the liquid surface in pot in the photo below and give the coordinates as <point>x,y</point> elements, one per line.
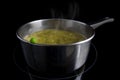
<point>53,36</point>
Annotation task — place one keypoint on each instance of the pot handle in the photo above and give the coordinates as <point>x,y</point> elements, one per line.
<point>105,20</point>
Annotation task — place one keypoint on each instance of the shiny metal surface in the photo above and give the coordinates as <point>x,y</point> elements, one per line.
<point>62,58</point>
<point>105,20</point>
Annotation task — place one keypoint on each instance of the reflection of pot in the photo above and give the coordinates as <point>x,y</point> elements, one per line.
<point>62,58</point>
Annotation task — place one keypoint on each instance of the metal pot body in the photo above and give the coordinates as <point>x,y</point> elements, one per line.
<point>56,59</point>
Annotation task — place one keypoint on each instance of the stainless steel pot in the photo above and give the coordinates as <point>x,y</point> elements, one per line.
<point>57,59</point>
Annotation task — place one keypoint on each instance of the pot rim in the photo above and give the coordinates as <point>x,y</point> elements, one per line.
<point>76,43</point>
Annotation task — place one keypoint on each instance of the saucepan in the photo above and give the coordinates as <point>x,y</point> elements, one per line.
<point>57,59</point>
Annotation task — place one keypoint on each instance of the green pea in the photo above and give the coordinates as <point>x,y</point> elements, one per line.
<point>33,40</point>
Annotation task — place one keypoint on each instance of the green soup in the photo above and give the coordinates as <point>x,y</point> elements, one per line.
<point>53,36</point>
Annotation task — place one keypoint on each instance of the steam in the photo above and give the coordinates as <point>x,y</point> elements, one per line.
<point>53,13</point>
<point>56,14</point>
<point>71,12</point>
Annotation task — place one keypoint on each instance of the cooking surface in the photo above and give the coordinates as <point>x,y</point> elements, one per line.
<point>22,67</point>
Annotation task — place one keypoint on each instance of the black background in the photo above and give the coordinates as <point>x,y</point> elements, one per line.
<point>16,13</point>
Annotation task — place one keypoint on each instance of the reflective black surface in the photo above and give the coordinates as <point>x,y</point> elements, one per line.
<point>16,13</point>
<point>29,73</point>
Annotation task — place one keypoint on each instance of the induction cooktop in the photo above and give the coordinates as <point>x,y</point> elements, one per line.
<point>24,72</point>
